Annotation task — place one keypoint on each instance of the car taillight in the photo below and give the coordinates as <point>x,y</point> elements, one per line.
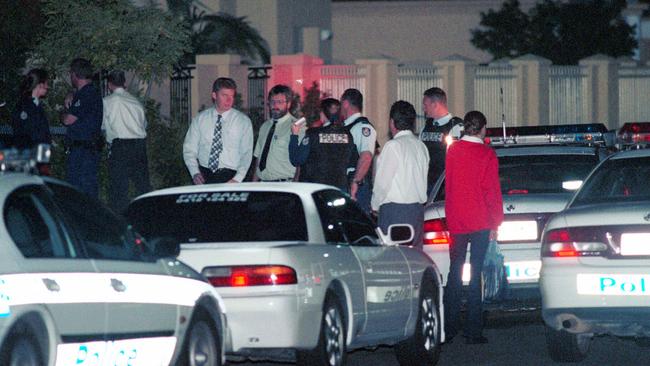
<point>435,232</point>
<point>242,276</point>
<point>573,242</point>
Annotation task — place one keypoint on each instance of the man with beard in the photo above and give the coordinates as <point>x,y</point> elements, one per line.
<point>272,148</point>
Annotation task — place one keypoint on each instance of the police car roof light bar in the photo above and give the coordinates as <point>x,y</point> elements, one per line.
<point>592,133</point>
<point>634,134</point>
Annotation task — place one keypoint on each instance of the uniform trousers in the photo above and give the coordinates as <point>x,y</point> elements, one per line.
<point>81,169</point>
<point>127,162</point>
<point>457,255</point>
<point>403,213</point>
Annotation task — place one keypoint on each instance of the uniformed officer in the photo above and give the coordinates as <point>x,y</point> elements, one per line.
<point>272,148</point>
<point>29,122</point>
<point>439,131</point>
<point>365,140</point>
<point>84,120</point>
<point>325,152</point>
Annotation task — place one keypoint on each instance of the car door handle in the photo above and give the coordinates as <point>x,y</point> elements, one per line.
<point>118,285</point>
<point>51,285</point>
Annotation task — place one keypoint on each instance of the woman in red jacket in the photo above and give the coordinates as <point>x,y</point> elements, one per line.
<point>474,211</point>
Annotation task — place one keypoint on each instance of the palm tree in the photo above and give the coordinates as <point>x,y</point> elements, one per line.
<point>219,33</point>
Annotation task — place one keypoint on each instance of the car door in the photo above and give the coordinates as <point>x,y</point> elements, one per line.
<point>53,270</point>
<point>141,296</point>
<point>386,276</point>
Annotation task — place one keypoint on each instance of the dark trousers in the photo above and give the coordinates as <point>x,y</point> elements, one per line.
<point>403,213</point>
<point>222,175</point>
<point>127,162</point>
<point>457,256</point>
<point>81,170</point>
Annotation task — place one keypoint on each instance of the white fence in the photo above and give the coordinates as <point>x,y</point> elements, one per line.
<point>495,94</point>
<point>568,95</point>
<point>412,81</point>
<point>335,79</point>
<point>634,94</point>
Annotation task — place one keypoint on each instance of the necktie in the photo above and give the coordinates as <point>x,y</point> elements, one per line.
<point>267,146</point>
<point>217,146</point>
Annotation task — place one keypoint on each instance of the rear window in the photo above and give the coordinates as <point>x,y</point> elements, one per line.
<point>221,217</point>
<point>544,173</point>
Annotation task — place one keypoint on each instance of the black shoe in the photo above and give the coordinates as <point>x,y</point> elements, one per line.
<point>476,340</point>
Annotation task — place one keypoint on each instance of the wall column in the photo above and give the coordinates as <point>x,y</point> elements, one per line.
<point>602,76</point>
<point>533,82</point>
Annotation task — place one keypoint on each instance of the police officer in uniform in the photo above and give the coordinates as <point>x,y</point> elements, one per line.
<point>324,154</point>
<point>365,140</point>
<point>84,121</point>
<point>440,130</point>
<point>29,122</point>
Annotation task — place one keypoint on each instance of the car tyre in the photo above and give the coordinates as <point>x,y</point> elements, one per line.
<point>567,347</point>
<point>202,348</point>
<point>24,352</point>
<point>331,349</point>
<point>423,347</point>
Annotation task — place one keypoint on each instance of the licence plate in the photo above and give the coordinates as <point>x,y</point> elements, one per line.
<point>614,284</point>
<point>134,352</point>
<point>635,244</point>
<point>523,270</point>
<point>517,230</point>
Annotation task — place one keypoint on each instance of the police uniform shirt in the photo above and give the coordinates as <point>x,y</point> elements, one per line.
<point>124,116</point>
<point>87,106</point>
<point>278,164</point>
<point>401,172</point>
<point>30,124</point>
<point>364,134</point>
<point>236,138</point>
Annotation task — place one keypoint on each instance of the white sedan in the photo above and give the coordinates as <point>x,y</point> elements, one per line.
<point>304,272</point>
<point>595,276</point>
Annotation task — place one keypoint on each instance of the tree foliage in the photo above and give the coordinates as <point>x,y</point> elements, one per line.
<point>564,32</point>
<point>218,33</point>
<point>112,34</point>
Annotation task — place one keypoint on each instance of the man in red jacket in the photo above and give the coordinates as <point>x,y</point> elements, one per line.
<point>474,211</point>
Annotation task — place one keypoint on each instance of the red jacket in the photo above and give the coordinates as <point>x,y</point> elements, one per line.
<point>473,199</point>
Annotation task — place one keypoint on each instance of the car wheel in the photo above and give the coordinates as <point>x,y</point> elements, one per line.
<point>423,347</point>
<point>202,345</point>
<point>567,347</point>
<point>331,349</point>
<point>24,352</point>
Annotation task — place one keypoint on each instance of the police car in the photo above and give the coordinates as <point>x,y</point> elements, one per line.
<point>305,273</point>
<point>595,276</point>
<point>540,168</point>
<point>78,287</point>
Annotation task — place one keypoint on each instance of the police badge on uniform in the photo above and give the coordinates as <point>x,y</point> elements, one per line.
<point>305,140</point>
<point>365,131</point>
<point>23,115</point>
<point>78,104</point>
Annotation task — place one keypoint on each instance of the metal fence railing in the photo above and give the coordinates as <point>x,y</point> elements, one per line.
<point>335,79</point>
<point>568,95</point>
<point>495,94</point>
<point>633,94</point>
<point>412,81</point>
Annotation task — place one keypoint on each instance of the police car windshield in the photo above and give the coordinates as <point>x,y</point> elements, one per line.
<point>617,180</point>
<point>220,217</point>
<point>526,174</point>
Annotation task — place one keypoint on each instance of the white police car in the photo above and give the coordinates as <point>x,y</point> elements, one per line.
<point>540,168</point>
<point>595,276</point>
<point>304,272</point>
<point>78,287</point>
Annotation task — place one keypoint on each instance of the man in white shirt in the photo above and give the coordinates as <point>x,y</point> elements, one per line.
<point>124,125</point>
<point>272,148</point>
<point>218,146</point>
<point>400,187</point>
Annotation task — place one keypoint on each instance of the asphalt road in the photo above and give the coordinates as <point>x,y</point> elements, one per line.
<point>516,338</point>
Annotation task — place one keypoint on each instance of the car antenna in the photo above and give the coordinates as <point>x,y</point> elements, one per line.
<point>503,114</point>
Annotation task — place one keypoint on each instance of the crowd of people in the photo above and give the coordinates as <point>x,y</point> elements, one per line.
<point>341,150</point>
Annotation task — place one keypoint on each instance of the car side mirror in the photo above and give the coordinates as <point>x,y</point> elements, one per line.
<point>400,233</point>
<point>165,246</point>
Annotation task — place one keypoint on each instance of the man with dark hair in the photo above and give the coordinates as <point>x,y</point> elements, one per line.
<point>439,131</point>
<point>125,128</point>
<point>365,140</point>
<point>400,187</point>
<point>474,211</point>
<point>219,143</point>
<point>83,117</point>
<point>330,109</point>
<point>272,148</point>
<point>324,154</point>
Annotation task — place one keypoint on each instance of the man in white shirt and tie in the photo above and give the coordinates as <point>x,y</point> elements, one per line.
<point>218,146</point>
<point>400,188</point>
<point>124,124</point>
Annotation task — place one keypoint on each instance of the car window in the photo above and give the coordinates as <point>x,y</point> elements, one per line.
<point>617,180</point>
<point>102,234</point>
<point>240,216</point>
<point>32,227</point>
<point>343,220</point>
